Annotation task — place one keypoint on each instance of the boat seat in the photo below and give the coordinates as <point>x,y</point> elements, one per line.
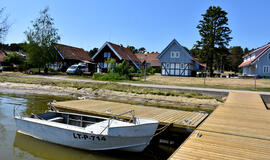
<point>56,119</point>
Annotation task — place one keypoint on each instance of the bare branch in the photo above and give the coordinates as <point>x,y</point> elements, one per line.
<point>4,26</point>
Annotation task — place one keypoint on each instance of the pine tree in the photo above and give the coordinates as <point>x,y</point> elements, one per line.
<point>236,57</point>
<point>215,36</point>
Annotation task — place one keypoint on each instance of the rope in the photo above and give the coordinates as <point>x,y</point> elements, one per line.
<point>162,129</point>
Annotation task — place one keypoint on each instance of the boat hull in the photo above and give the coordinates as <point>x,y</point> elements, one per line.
<point>80,138</point>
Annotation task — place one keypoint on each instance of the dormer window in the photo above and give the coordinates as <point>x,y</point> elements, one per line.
<point>175,54</point>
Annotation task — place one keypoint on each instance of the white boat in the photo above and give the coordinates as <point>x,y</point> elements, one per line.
<point>89,132</point>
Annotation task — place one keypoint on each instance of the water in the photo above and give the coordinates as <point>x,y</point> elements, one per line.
<point>14,145</point>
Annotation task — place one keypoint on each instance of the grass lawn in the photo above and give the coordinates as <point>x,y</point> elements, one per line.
<point>224,83</point>
<point>219,83</point>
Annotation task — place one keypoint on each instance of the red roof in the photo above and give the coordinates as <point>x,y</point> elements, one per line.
<point>258,52</point>
<point>151,58</point>
<point>69,52</point>
<point>125,53</point>
<point>2,57</point>
<point>202,64</point>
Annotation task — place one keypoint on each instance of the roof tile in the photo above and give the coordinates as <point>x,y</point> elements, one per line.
<point>151,58</point>
<point>125,53</point>
<point>70,52</point>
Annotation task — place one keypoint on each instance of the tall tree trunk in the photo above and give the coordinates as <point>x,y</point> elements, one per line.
<point>211,64</point>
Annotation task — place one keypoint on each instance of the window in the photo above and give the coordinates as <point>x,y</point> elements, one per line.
<point>266,69</point>
<point>172,54</point>
<point>269,56</point>
<point>107,54</point>
<point>105,65</point>
<point>172,66</point>
<point>175,54</point>
<point>182,66</point>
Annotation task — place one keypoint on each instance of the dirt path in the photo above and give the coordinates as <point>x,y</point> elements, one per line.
<point>207,91</point>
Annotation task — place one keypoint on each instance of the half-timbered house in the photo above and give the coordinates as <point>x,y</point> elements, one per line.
<point>119,53</point>
<point>176,61</point>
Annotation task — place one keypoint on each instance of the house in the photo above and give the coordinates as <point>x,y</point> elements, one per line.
<point>68,55</point>
<point>119,53</point>
<point>151,59</point>
<point>257,62</point>
<point>176,61</point>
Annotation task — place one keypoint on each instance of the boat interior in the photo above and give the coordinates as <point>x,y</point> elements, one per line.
<point>69,118</point>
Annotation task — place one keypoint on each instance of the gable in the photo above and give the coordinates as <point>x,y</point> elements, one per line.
<point>105,53</point>
<point>258,54</point>
<point>175,53</point>
<point>264,59</point>
<point>121,52</point>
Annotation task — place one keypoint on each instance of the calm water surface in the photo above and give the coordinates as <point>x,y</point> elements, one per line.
<point>14,145</point>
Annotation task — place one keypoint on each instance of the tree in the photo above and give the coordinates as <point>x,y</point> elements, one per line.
<point>186,48</point>
<point>16,46</point>
<point>246,51</point>
<point>141,50</point>
<point>41,39</point>
<point>4,26</point>
<point>235,57</point>
<point>215,35</point>
<point>14,58</point>
<point>133,49</point>
<point>92,52</point>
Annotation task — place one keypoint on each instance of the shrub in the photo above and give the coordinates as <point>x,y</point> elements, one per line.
<point>14,58</point>
<point>120,71</point>
<point>23,67</point>
<point>109,76</point>
<point>150,70</point>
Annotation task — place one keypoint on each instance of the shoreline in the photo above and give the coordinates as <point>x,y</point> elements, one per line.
<point>171,102</point>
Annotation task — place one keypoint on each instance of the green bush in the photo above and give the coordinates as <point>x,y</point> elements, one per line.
<point>150,70</point>
<point>120,71</point>
<point>109,76</point>
<point>23,67</point>
<point>14,58</point>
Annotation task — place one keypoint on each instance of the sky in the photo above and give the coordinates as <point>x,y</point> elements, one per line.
<point>152,24</point>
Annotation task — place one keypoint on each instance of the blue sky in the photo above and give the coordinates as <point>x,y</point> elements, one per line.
<point>142,23</point>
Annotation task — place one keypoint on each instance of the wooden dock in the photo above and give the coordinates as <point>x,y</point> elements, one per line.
<point>179,119</point>
<point>239,129</point>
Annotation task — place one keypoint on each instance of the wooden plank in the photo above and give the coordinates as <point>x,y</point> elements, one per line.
<point>239,129</point>
<point>164,116</point>
<point>223,146</point>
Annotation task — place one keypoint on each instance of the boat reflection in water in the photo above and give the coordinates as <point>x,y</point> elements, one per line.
<point>46,150</point>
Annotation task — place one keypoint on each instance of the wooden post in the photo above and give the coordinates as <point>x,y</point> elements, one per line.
<point>255,76</point>
<point>145,54</point>
<point>144,70</point>
<point>204,75</point>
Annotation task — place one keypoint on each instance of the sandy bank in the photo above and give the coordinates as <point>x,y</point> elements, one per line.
<point>148,99</point>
